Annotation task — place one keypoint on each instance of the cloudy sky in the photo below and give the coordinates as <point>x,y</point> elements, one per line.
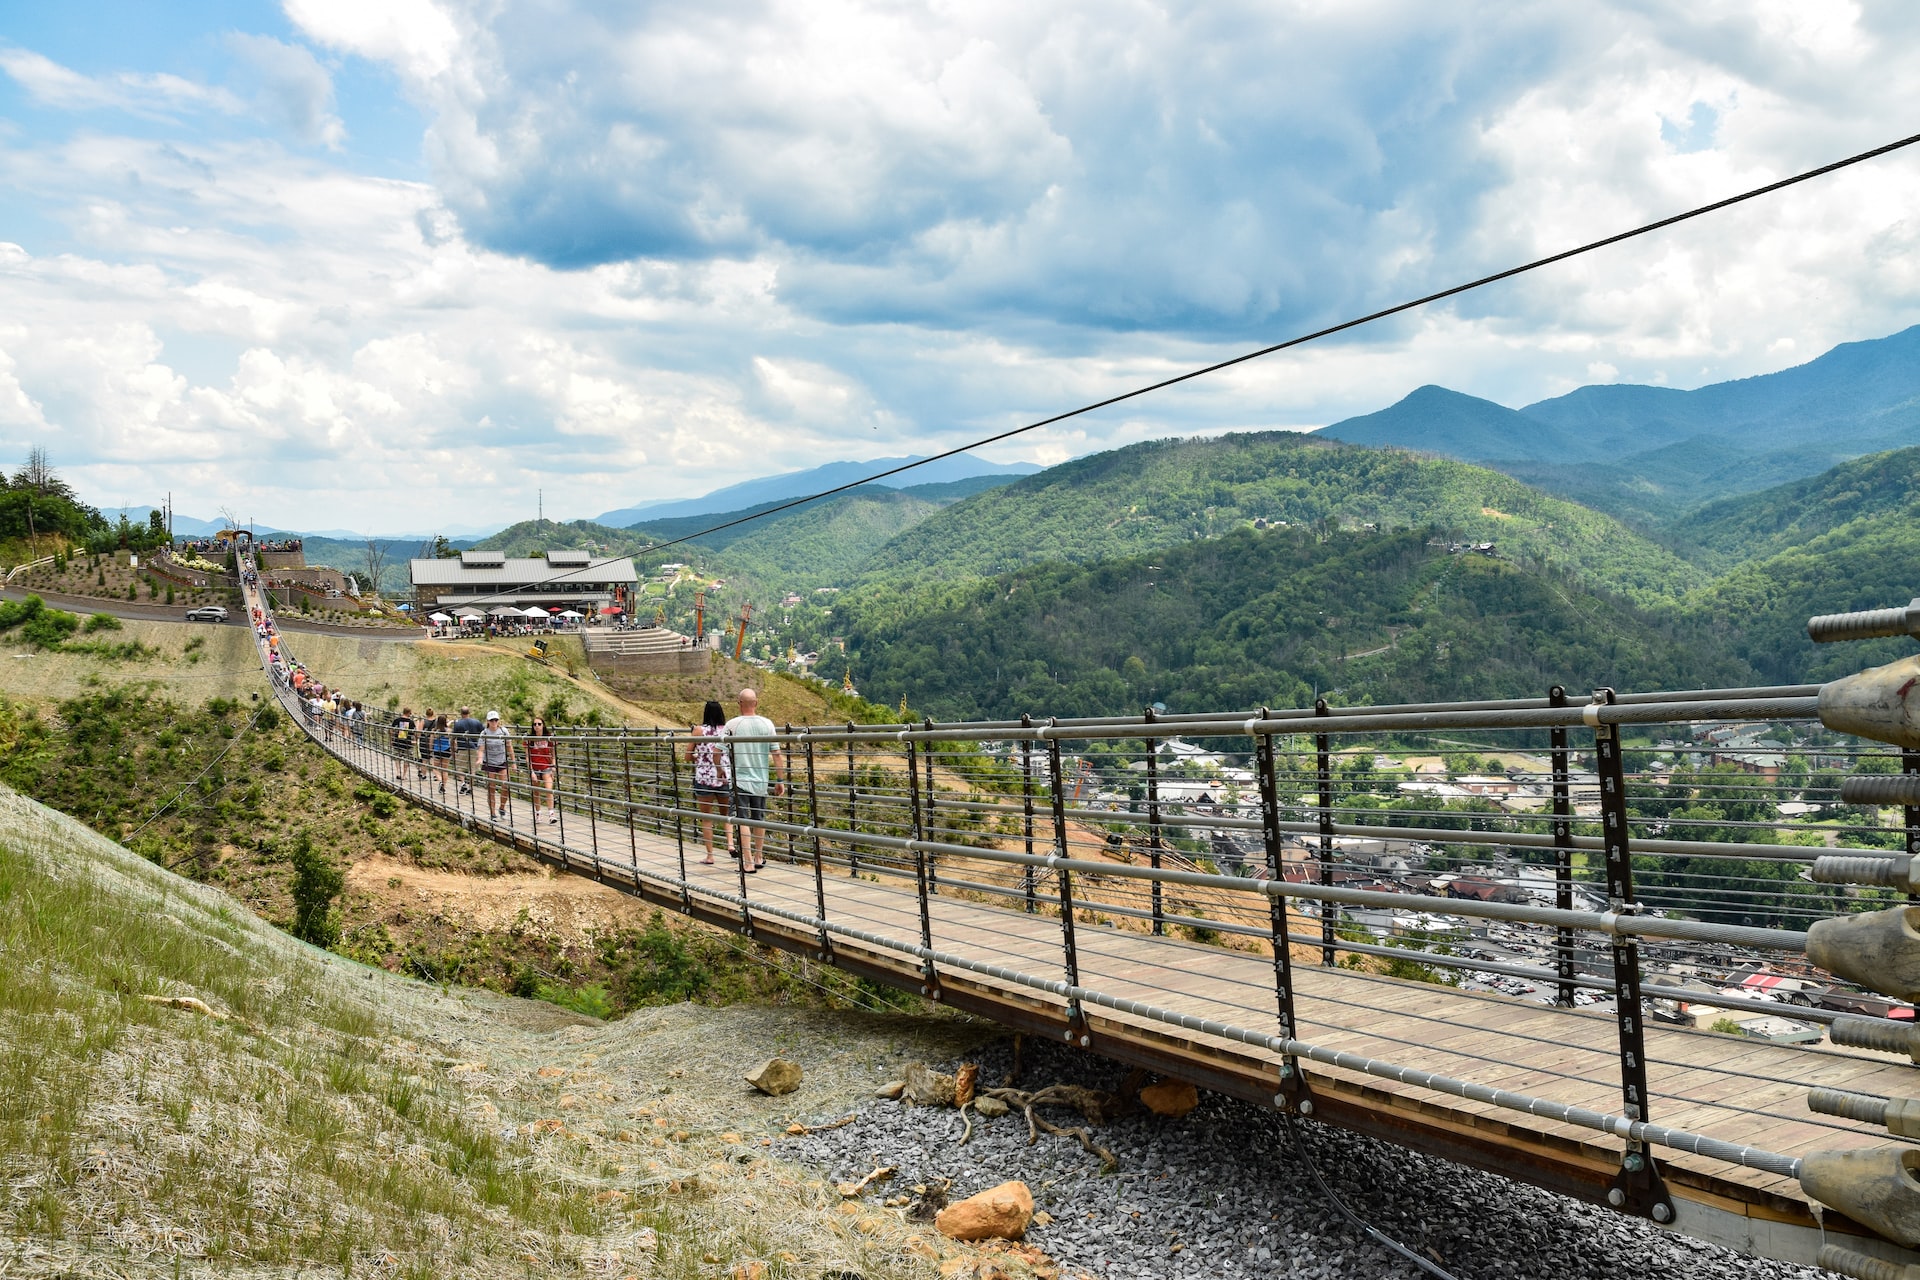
<point>397,264</point>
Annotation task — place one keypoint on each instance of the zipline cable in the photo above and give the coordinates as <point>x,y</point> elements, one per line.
<point>1296,341</point>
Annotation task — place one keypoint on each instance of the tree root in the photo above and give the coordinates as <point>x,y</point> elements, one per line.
<point>966,1137</point>
<point>1093,1105</point>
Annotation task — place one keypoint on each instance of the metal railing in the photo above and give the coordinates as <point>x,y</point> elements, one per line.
<point>1629,857</point>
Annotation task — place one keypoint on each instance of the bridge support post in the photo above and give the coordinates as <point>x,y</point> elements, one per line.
<point>930,824</point>
<point>1638,1188</point>
<point>737,836</point>
<point>1076,1020</point>
<point>1562,849</point>
<point>1323,768</point>
<point>593,809</point>
<point>1153,826</point>
<point>1910,814</point>
<point>853,807</point>
<point>786,769</point>
<point>819,872</point>
<point>1026,811</point>
<point>679,820</point>
<point>922,885</point>
<point>1292,1094</point>
<point>626,775</point>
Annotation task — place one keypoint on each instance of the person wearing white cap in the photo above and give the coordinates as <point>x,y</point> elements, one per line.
<point>496,754</point>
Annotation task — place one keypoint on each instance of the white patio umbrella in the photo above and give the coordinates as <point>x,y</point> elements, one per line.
<point>439,619</point>
<point>571,613</point>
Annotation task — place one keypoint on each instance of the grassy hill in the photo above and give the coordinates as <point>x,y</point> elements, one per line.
<point>1263,617</point>
<point>1168,492</point>
<point>208,1096</point>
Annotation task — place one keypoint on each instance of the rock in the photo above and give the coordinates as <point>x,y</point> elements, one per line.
<point>775,1076</point>
<point>891,1089</point>
<point>1170,1098</point>
<point>1001,1213</point>
<point>963,1083</point>
<point>990,1107</point>
<point>926,1087</point>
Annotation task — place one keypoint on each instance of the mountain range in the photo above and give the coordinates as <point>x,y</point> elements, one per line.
<point>1648,454</point>
<point>769,490</point>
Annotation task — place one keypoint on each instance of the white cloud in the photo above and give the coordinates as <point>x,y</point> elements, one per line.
<point>146,94</point>
<point>664,249</point>
<point>295,90</point>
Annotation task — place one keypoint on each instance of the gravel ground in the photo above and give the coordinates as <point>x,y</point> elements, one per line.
<point>1222,1194</point>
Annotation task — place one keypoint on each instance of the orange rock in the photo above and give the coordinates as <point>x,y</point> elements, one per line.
<point>1170,1098</point>
<point>1002,1212</point>
<point>548,1073</point>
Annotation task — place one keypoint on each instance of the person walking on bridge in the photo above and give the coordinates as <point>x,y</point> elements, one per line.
<point>466,738</point>
<point>542,760</point>
<point>402,742</point>
<point>712,776</point>
<point>496,755</point>
<point>753,766</point>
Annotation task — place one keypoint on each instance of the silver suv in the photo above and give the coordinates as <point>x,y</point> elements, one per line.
<point>207,613</point>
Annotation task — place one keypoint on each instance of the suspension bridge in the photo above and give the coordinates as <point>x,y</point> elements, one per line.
<point>1240,928</point>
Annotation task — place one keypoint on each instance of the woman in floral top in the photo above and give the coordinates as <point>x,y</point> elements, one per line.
<point>712,775</point>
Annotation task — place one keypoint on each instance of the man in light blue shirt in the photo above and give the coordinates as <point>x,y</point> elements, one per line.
<point>753,767</point>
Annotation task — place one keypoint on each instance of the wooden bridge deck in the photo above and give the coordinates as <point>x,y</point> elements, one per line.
<point>1737,1089</point>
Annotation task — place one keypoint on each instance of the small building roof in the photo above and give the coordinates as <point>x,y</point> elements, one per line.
<point>491,569</point>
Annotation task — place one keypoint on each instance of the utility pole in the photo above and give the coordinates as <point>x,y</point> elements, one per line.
<point>740,640</point>
<point>540,505</point>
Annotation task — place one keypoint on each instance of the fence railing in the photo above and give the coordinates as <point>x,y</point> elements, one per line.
<point>1681,857</point>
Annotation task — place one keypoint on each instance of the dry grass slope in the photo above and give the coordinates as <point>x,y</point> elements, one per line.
<point>311,1115</point>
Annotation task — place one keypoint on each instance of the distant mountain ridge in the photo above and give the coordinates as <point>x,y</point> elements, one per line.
<point>1649,453</point>
<point>795,484</point>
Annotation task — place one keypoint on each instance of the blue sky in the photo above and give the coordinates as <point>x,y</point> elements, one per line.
<point>393,263</point>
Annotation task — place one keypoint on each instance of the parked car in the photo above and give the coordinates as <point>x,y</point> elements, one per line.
<point>207,613</point>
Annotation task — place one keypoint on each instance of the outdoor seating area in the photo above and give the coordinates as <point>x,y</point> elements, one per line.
<point>504,620</point>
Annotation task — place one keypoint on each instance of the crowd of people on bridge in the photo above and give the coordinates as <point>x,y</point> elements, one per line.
<point>734,761</point>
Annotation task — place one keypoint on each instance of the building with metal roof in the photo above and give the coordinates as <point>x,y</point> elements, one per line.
<point>556,580</point>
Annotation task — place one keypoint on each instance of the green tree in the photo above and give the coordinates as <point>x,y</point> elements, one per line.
<point>316,883</point>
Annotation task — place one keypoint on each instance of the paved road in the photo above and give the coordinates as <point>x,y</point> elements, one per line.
<point>147,611</point>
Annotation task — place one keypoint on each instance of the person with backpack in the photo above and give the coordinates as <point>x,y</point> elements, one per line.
<point>423,742</point>
<point>712,776</point>
<point>402,733</point>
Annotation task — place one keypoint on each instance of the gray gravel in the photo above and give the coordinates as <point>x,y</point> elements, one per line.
<point>1224,1186</point>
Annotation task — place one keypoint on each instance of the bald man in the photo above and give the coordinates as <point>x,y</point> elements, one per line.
<point>754,764</point>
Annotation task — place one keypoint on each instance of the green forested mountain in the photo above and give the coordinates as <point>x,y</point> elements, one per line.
<point>1757,613</point>
<point>1753,526</point>
<point>823,544</point>
<point>1166,493</point>
<point>1262,617</point>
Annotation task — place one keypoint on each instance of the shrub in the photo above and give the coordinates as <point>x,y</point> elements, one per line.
<point>316,883</point>
<point>102,622</point>
<point>48,627</point>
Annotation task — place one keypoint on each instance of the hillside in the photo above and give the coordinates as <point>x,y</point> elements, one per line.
<point>1262,617</point>
<point>1165,493</point>
<point>821,543</point>
<point>208,1096</point>
<point>1758,611</point>
<point>1754,526</point>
